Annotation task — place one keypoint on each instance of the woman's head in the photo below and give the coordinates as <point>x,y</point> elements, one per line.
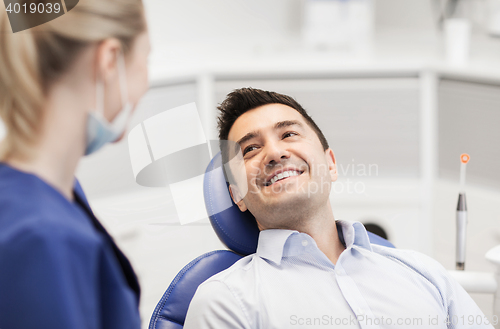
<point>33,61</point>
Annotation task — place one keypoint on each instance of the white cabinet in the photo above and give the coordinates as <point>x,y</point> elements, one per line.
<point>366,121</point>
<point>469,122</point>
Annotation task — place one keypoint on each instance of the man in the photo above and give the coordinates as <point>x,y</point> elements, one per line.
<point>309,270</point>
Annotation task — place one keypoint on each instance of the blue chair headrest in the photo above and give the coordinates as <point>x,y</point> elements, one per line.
<point>237,230</point>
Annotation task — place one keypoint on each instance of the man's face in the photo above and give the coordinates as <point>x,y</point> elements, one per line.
<point>287,171</point>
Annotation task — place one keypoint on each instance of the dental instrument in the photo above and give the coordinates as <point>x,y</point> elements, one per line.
<point>461,216</point>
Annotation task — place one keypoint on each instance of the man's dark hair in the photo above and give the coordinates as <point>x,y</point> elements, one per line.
<point>243,100</point>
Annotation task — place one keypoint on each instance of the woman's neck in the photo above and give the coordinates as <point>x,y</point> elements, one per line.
<point>61,142</point>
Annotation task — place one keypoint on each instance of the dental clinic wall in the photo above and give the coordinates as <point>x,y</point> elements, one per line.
<point>236,22</point>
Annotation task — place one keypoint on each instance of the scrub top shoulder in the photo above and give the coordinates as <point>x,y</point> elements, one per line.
<point>58,267</point>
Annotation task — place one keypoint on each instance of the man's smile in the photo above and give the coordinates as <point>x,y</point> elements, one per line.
<point>282,174</point>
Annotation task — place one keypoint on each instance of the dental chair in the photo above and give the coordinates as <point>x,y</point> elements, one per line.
<point>237,230</point>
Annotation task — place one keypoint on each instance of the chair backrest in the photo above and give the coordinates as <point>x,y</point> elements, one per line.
<point>237,230</point>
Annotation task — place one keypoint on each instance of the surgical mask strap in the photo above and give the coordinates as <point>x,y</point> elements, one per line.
<point>122,81</point>
<point>99,130</point>
<point>122,78</point>
<point>99,95</point>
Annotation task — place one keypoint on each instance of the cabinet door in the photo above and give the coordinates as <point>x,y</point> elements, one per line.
<point>469,122</point>
<point>370,123</point>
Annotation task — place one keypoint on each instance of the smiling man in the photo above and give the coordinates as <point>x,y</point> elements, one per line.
<point>311,271</point>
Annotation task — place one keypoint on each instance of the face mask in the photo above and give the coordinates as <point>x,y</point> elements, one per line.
<point>99,130</point>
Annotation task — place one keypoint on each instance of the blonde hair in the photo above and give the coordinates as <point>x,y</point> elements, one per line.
<point>32,59</point>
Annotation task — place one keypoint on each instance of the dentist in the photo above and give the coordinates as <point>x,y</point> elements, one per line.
<point>67,88</point>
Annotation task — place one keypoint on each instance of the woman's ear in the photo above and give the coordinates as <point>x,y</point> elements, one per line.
<point>237,199</point>
<point>107,58</point>
<point>332,165</point>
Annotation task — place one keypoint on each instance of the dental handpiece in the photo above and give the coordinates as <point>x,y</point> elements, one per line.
<point>461,216</point>
<point>461,231</point>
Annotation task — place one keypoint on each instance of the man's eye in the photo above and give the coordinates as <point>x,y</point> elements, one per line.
<point>289,134</point>
<point>249,149</point>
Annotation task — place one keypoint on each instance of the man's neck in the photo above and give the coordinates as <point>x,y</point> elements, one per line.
<point>323,229</point>
<point>321,226</point>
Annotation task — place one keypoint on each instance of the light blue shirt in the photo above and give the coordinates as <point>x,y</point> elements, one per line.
<point>290,283</point>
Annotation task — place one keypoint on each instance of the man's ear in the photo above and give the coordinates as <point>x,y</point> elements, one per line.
<point>236,196</point>
<point>332,165</point>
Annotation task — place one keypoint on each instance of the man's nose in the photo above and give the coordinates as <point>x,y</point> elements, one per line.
<point>275,153</point>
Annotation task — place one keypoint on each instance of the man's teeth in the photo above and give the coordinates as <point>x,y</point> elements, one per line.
<point>282,175</point>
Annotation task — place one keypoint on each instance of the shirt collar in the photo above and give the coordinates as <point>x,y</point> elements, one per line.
<point>272,242</point>
<point>354,234</point>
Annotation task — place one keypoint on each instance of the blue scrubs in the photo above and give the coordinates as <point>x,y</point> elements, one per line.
<point>59,268</point>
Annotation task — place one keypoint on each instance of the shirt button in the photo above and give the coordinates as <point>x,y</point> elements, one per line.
<point>360,311</point>
<point>338,272</point>
<point>305,243</point>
